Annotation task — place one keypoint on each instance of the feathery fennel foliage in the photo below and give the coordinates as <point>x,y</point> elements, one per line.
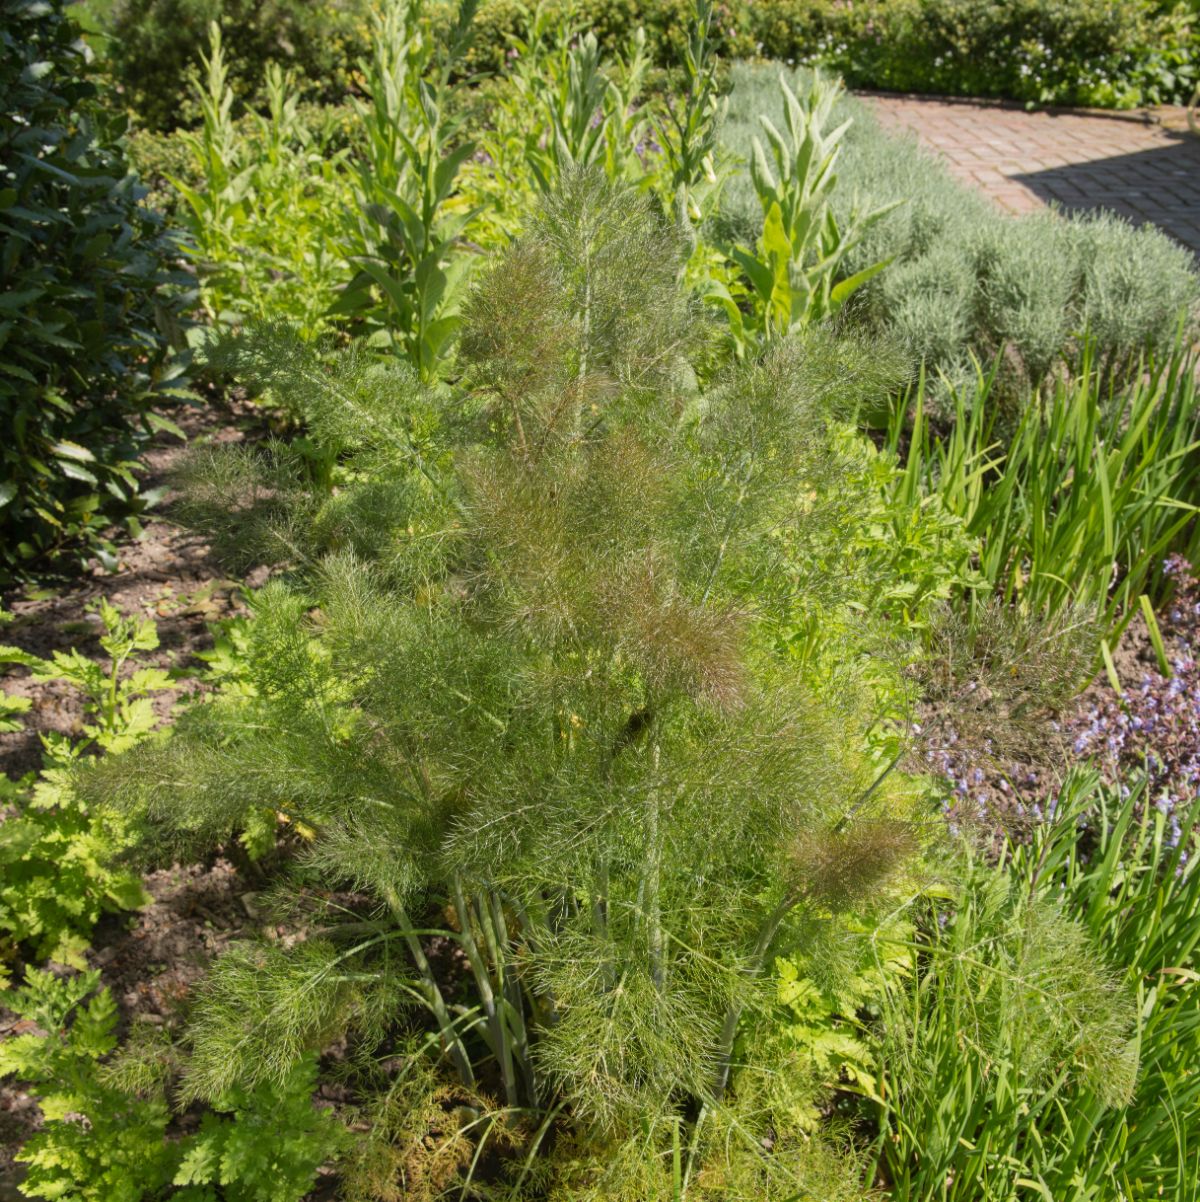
<point>523,682</point>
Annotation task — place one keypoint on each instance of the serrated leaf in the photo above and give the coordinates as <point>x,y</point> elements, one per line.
<point>157,422</point>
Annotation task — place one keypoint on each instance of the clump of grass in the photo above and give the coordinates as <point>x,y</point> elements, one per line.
<point>1048,1044</point>
<point>1082,500</point>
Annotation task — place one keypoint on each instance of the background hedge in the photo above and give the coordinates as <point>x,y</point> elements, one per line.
<point>153,45</point>
<point>1115,53</point>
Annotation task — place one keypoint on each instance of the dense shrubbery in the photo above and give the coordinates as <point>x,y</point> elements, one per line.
<point>550,622</point>
<point>152,47</point>
<point>1084,52</point>
<point>1111,53</point>
<point>87,302</point>
<point>606,654</point>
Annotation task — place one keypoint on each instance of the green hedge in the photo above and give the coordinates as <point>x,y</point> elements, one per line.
<point>1116,53</point>
<point>1112,53</point>
<point>86,296</point>
<point>153,45</point>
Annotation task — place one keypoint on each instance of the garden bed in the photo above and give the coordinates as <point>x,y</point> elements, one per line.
<point>693,698</point>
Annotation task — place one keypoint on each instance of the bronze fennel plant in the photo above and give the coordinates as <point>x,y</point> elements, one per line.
<point>518,682</point>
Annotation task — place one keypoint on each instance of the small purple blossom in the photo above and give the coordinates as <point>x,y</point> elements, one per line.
<point>1153,728</point>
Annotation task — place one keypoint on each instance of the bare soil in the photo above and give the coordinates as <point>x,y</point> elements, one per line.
<point>167,574</point>
<point>150,959</point>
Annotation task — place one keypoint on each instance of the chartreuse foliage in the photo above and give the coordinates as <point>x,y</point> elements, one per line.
<point>1083,500</point>
<point>528,671</point>
<point>98,1143</point>
<point>118,703</point>
<point>1001,1071</point>
<point>59,858</point>
<point>104,1138</point>
<point>261,1145</point>
<point>819,1022</point>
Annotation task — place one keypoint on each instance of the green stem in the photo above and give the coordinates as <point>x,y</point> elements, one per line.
<point>514,998</point>
<point>652,881</point>
<point>451,1041</point>
<point>733,1016</point>
<point>497,1035</point>
<point>730,521</point>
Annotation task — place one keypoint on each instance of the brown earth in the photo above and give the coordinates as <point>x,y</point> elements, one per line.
<point>167,574</point>
<point>149,959</point>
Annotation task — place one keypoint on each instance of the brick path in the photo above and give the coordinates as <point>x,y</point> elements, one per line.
<point>1025,160</point>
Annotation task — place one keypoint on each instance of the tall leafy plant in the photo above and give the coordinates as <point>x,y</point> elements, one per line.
<point>591,109</point>
<point>542,719</point>
<point>793,275</point>
<point>687,129</point>
<point>404,230</point>
<point>563,105</point>
<point>262,217</point>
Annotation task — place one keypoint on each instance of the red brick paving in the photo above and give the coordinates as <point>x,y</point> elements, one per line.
<point>1079,161</point>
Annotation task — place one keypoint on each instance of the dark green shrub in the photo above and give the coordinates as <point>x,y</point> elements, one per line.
<point>155,44</point>
<point>612,21</point>
<point>87,295</point>
<point>1094,52</point>
<point>1113,53</point>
